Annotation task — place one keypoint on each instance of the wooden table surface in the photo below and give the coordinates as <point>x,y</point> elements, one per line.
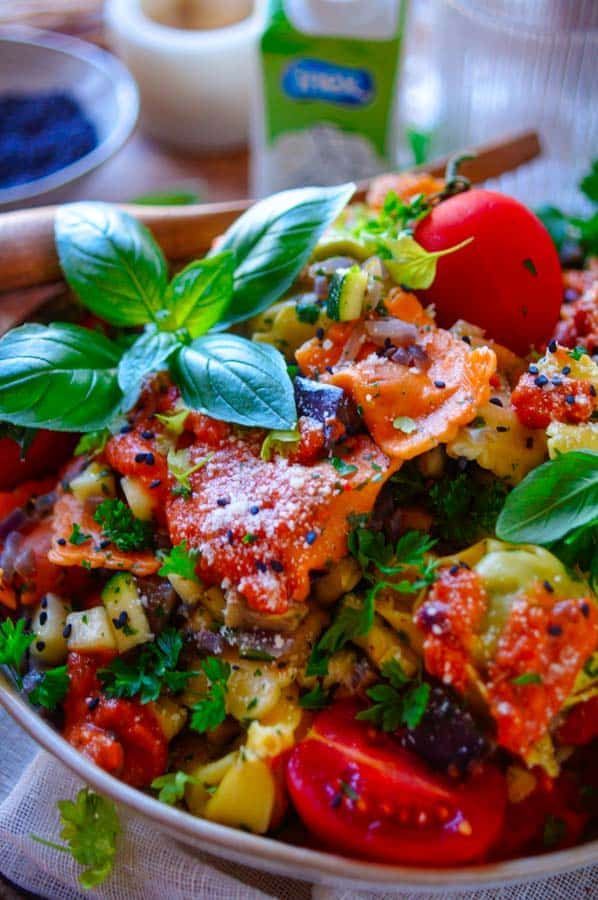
<point>143,166</point>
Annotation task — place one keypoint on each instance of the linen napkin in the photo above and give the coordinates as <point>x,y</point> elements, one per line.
<point>152,866</point>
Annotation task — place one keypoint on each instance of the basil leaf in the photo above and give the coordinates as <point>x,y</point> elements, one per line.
<point>554,499</point>
<point>58,376</point>
<point>413,265</point>
<point>235,380</point>
<point>112,262</point>
<point>148,354</point>
<point>200,293</point>
<point>272,242</point>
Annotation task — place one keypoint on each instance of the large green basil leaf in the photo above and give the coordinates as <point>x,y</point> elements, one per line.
<point>58,376</point>
<point>235,380</point>
<point>273,240</point>
<point>112,262</point>
<point>149,353</point>
<point>553,500</point>
<point>200,293</point>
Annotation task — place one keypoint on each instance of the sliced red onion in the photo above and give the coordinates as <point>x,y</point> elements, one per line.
<point>353,344</point>
<point>396,331</point>
<point>12,522</point>
<point>9,554</point>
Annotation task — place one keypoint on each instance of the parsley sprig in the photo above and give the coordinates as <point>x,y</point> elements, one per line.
<point>90,827</point>
<point>50,686</point>
<point>180,561</point>
<point>210,711</point>
<point>120,526</point>
<point>171,787</point>
<point>375,556</point>
<point>396,702</point>
<point>151,671</point>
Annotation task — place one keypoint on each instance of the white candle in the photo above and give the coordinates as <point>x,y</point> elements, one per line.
<point>194,82</point>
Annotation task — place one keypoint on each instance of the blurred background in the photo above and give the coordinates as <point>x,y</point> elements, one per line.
<point>229,98</point>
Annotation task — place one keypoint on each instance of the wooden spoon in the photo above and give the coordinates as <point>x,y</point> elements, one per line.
<point>28,256</point>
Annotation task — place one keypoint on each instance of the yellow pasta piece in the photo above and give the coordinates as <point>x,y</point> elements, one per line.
<point>562,437</point>
<point>254,689</point>
<point>207,776</point>
<point>382,644</point>
<point>245,797</point>
<point>342,578</point>
<point>509,452</point>
<point>276,732</point>
<point>280,327</point>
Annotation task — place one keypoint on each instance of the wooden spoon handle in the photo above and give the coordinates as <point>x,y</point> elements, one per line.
<point>28,256</point>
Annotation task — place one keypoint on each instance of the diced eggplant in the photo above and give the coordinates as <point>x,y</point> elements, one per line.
<point>329,405</point>
<point>159,600</point>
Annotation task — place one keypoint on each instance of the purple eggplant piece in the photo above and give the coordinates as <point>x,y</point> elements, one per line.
<point>327,404</point>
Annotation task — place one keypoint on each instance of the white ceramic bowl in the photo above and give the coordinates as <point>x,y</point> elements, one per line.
<point>274,856</point>
<point>33,60</point>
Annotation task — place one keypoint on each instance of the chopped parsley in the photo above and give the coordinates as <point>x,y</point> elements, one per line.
<point>14,642</point>
<point>51,688</point>
<point>341,466</point>
<point>578,352</point>
<point>527,678</point>
<point>171,787</point>
<point>90,827</point>
<point>174,421</point>
<point>152,670</point>
<point>180,561</point>
<point>210,711</point>
<point>317,698</point>
<point>121,527</point>
<point>396,702</point>
<point>92,443</point>
<point>181,470</point>
<point>78,537</point>
<point>307,312</point>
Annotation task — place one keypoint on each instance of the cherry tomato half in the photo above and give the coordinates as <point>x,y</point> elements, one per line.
<point>47,452</point>
<point>362,794</point>
<point>507,280</point>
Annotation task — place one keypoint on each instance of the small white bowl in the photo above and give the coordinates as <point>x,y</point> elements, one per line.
<point>32,60</point>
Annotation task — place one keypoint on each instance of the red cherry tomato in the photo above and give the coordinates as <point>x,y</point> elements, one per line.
<point>47,452</point>
<point>507,280</point>
<point>362,794</point>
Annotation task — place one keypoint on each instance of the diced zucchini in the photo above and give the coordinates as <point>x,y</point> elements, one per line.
<point>97,480</point>
<point>48,625</point>
<point>346,295</point>
<point>336,242</point>
<point>125,612</point>
<point>139,497</point>
<point>90,630</point>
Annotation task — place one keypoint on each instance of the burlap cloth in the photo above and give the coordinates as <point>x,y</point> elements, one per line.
<point>152,866</point>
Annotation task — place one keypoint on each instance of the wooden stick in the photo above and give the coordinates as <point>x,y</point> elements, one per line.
<point>28,256</point>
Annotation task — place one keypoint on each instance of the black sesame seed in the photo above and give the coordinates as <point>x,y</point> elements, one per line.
<point>28,623</point>
<point>554,630</point>
<point>140,457</point>
<point>502,428</point>
<point>548,587</point>
<point>529,443</point>
<point>310,537</point>
<point>155,483</point>
<point>40,646</point>
<point>570,399</point>
<point>556,381</point>
<point>43,618</point>
<point>104,544</point>
<point>44,603</point>
<point>592,390</point>
<point>466,338</point>
<point>230,537</point>
<point>92,703</point>
<point>148,435</point>
<point>440,384</point>
<point>585,610</point>
<point>552,346</point>
<point>223,501</point>
<point>496,401</point>
<point>66,631</point>
<point>566,370</point>
<point>320,333</point>
<point>330,370</point>
<point>540,381</point>
<point>276,566</point>
<point>453,570</point>
<point>533,370</point>
<point>149,459</point>
<point>261,566</point>
<point>336,801</point>
<point>254,510</point>
<point>126,429</point>
<point>61,541</point>
<point>463,564</point>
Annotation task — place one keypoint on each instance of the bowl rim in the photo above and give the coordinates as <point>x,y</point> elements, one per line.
<point>127,100</point>
<point>278,857</point>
